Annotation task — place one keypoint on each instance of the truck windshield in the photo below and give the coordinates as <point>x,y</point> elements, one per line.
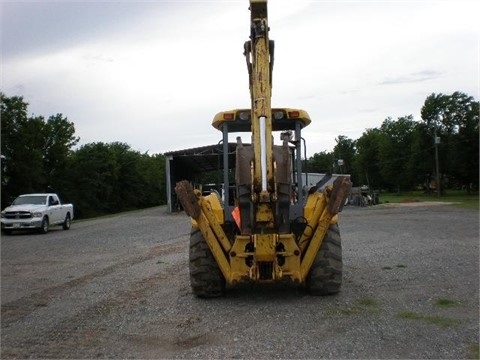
<point>31,200</point>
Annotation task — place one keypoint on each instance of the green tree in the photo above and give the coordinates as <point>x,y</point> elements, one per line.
<point>59,139</point>
<point>152,172</point>
<point>455,119</point>
<point>321,162</point>
<point>98,178</point>
<point>140,180</point>
<point>420,164</point>
<point>394,152</point>
<point>109,178</point>
<point>344,150</point>
<point>128,185</point>
<point>367,160</point>
<point>92,175</point>
<point>21,149</point>
<point>34,151</point>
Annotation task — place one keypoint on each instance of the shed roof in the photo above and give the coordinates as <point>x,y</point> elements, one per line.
<point>204,158</point>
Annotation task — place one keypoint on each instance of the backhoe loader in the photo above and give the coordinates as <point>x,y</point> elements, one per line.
<point>267,230</point>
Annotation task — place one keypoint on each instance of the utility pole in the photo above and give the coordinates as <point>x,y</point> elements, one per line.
<point>436,142</point>
<point>340,165</point>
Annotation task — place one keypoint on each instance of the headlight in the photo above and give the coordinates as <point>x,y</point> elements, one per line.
<point>278,115</point>
<point>244,116</point>
<point>37,214</point>
<point>3,214</point>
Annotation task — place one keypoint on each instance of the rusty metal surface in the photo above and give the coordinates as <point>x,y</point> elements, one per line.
<point>341,188</point>
<point>188,199</point>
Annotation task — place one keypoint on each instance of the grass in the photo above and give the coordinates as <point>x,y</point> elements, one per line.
<point>459,197</point>
<point>441,321</point>
<point>446,303</point>
<point>348,310</point>
<point>362,305</point>
<point>367,302</point>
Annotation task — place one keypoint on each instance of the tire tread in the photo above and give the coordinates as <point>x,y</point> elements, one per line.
<point>206,279</point>
<point>325,277</point>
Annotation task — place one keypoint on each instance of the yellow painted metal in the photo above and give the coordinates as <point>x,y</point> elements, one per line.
<point>291,254</point>
<point>264,245</point>
<point>238,256</point>
<point>216,207</point>
<point>214,224</point>
<point>314,202</point>
<point>234,266</point>
<point>234,115</point>
<point>335,198</point>
<point>261,95</point>
<point>263,248</point>
<point>214,245</point>
<point>278,250</point>
<point>314,207</point>
<point>313,210</point>
<point>264,214</point>
<point>315,243</point>
<point>206,220</point>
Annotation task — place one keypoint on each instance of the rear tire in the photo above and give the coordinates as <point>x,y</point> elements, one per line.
<point>45,225</point>
<point>325,276</point>
<point>206,278</point>
<point>67,222</point>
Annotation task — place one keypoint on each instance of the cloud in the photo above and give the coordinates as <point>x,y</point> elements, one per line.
<point>154,73</point>
<point>31,28</point>
<point>415,77</point>
<point>98,57</point>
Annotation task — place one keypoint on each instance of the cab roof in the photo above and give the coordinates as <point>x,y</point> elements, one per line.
<point>239,120</point>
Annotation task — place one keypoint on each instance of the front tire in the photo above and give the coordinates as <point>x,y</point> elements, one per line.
<point>325,277</point>
<point>45,225</point>
<point>206,278</point>
<point>67,222</point>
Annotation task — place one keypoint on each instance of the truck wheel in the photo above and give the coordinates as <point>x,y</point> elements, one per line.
<point>45,225</point>
<point>205,277</point>
<point>325,276</point>
<point>67,222</point>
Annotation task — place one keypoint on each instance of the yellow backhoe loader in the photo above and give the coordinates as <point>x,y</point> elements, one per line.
<point>266,230</point>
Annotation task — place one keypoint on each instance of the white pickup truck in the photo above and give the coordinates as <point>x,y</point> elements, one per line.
<point>36,212</point>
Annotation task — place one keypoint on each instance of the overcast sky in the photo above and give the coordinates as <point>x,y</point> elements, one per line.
<point>153,74</point>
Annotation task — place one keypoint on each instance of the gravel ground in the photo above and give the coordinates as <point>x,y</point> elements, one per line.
<point>118,287</point>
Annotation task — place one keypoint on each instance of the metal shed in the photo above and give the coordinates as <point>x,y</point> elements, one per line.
<point>188,164</point>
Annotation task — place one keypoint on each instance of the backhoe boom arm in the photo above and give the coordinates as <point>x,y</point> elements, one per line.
<point>260,64</point>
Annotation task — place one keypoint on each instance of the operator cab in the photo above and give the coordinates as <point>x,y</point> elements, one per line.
<point>290,123</point>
